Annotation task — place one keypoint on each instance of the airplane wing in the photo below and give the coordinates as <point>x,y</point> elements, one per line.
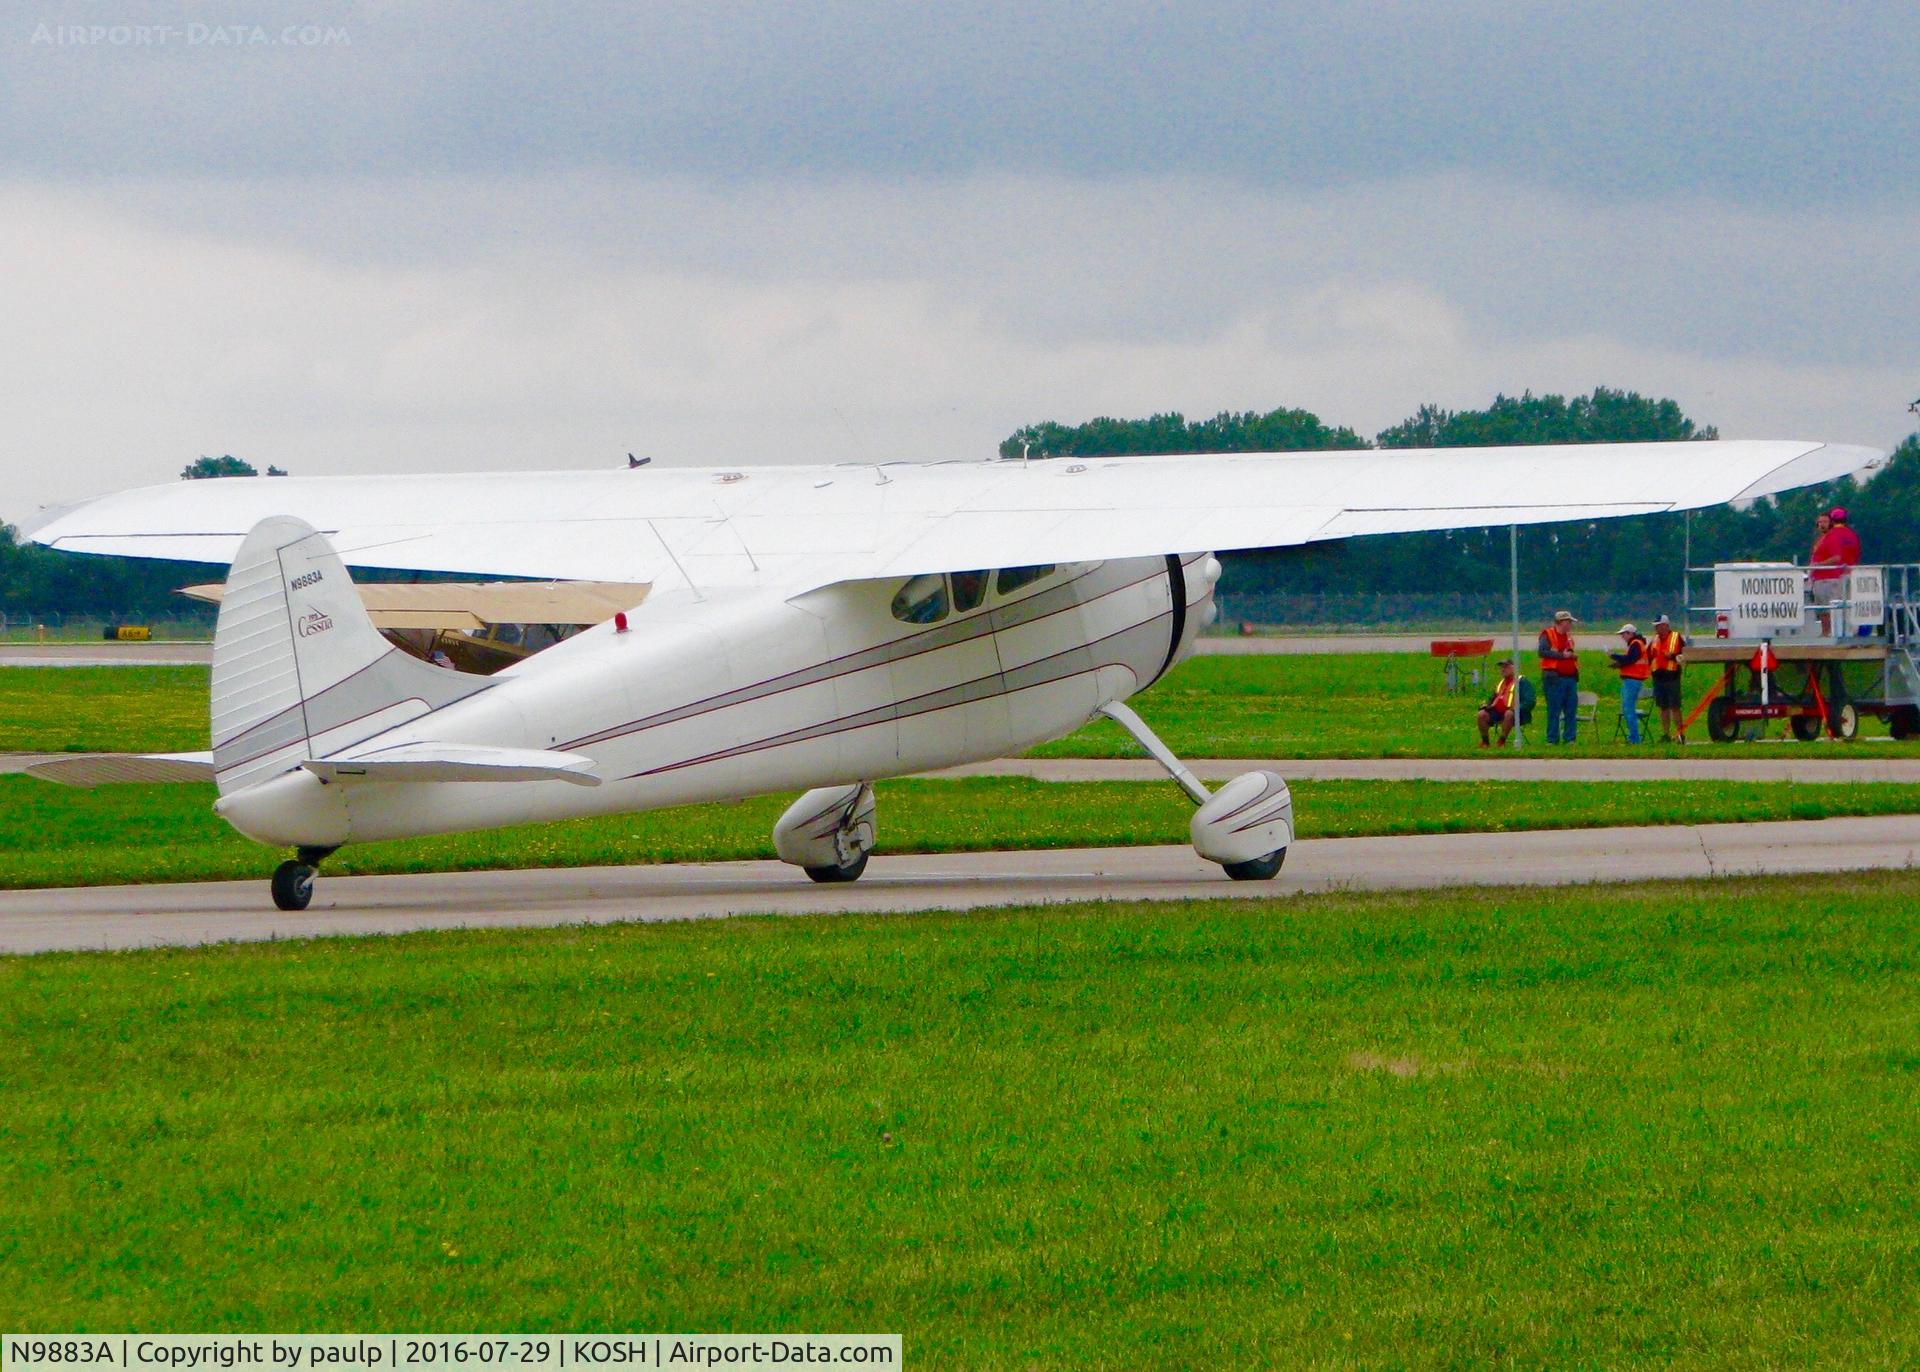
<point>798,527</point>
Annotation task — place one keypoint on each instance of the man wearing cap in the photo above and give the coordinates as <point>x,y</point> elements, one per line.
<point>1503,707</point>
<point>1633,667</point>
<point>1666,653</point>
<point>1836,551</point>
<point>1560,674</point>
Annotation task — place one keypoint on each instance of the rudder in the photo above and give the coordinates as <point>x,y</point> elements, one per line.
<point>298,668</point>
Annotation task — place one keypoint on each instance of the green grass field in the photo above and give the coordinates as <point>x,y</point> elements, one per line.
<point>55,836</point>
<point>1357,705</point>
<point>103,709</point>
<point>1383,705</point>
<point>1672,1122</point>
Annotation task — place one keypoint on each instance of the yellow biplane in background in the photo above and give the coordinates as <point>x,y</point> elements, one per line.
<point>479,626</point>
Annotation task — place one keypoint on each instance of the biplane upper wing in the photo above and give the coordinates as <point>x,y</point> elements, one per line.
<point>797,527</point>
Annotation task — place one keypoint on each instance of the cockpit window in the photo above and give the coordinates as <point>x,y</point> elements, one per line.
<point>1013,578</point>
<point>922,600</point>
<point>969,589</point>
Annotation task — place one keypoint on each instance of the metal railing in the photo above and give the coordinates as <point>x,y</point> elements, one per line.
<point>1853,611</point>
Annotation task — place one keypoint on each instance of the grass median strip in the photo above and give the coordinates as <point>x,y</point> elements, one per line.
<point>1319,705</point>
<point>55,836</point>
<point>1664,1122</point>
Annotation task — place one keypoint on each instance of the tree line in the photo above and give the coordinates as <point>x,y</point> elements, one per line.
<point>1643,553</point>
<point>39,581</point>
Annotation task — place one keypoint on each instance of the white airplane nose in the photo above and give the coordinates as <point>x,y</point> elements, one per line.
<point>294,809</point>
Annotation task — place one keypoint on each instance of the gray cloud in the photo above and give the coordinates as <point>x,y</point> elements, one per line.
<point>1066,260</point>
<point>1754,102</point>
<point>536,322</point>
<point>358,237</point>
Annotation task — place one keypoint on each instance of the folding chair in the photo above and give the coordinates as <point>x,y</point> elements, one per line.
<point>1620,720</point>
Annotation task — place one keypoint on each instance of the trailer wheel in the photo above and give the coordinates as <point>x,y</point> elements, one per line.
<point>1722,727</point>
<point>1806,728</point>
<point>1904,722</point>
<point>1844,720</point>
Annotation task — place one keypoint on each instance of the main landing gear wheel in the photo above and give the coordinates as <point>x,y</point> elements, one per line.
<point>846,871</point>
<point>1721,725</point>
<point>293,885</point>
<point>1256,869</point>
<point>828,832</point>
<point>1246,814</point>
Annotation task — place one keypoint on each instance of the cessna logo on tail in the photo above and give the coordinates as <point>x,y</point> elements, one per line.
<point>314,622</point>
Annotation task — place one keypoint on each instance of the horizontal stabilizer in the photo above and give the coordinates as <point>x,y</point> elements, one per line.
<point>421,762</point>
<point>104,769</point>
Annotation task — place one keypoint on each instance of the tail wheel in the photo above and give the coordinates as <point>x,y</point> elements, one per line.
<point>293,885</point>
<point>1722,727</point>
<point>1904,722</point>
<point>1256,869</point>
<point>845,871</point>
<point>1843,720</point>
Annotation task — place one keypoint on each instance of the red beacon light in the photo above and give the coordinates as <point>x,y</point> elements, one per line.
<point>619,621</point>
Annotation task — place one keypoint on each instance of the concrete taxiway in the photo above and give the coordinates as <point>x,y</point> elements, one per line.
<point>1803,763</point>
<point>105,654</point>
<point>122,917</point>
<point>186,653</point>
<point>1267,645</point>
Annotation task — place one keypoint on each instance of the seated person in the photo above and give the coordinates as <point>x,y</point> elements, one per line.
<point>1502,708</point>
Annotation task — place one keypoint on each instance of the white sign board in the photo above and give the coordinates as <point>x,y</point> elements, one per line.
<point>1867,590</point>
<point>1760,601</point>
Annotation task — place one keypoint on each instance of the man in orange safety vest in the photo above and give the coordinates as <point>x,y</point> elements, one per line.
<point>1633,666</point>
<point>1667,653</point>
<point>1560,675</point>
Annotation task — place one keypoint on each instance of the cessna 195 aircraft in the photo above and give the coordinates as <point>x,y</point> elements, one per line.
<point>789,628</point>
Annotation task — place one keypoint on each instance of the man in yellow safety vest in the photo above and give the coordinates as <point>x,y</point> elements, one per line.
<point>1503,708</point>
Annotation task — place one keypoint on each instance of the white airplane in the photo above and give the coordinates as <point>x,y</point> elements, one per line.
<point>794,628</point>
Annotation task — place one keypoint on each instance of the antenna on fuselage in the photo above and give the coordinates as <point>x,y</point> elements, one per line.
<point>633,461</point>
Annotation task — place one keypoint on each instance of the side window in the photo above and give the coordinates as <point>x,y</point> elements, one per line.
<point>922,600</point>
<point>969,589</point>
<point>1013,578</point>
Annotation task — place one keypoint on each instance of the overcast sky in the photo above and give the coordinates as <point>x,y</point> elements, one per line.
<point>347,238</point>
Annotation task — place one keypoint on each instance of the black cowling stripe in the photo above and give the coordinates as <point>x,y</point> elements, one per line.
<point>1177,588</point>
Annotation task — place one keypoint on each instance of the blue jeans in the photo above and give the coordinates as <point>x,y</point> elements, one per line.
<point>1563,698</point>
<point>1630,706</point>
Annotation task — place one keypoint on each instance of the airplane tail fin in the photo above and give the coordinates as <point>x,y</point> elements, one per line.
<point>299,671</point>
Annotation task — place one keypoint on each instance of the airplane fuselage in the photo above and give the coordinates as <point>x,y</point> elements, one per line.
<point>703,699</point>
